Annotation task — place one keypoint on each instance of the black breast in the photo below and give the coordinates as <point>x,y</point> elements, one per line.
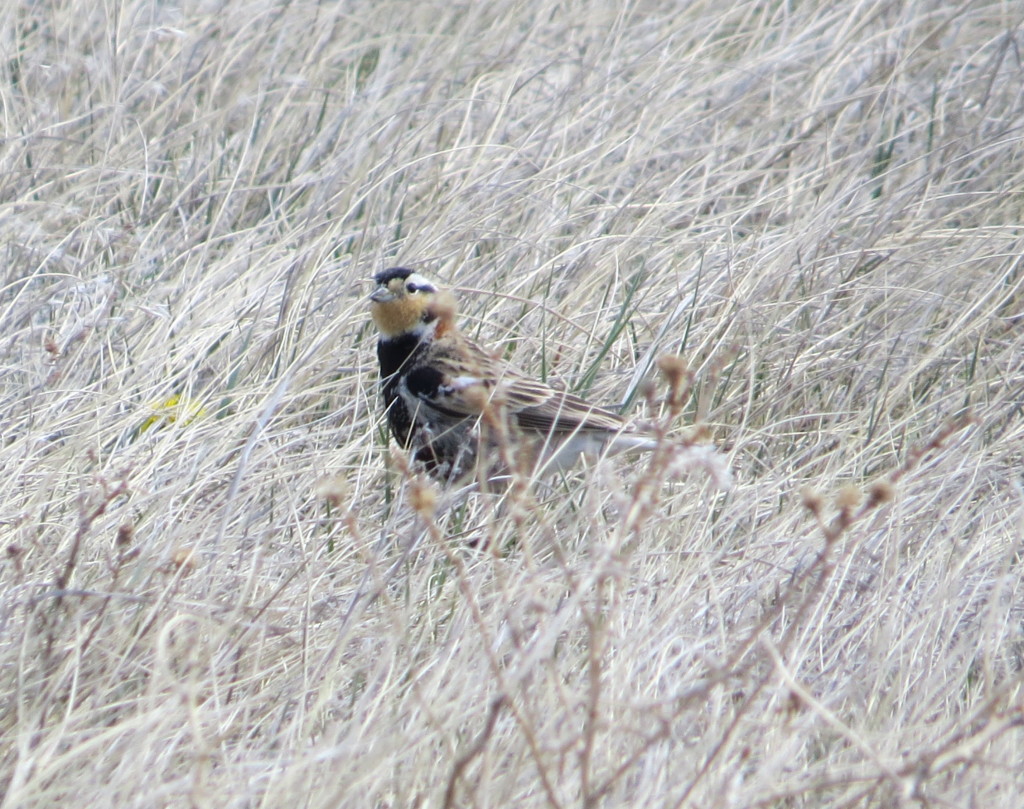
<point>396,352</point>
<point>395,355</point>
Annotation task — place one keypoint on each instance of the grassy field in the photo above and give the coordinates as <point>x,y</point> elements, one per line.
<point>219,588</point>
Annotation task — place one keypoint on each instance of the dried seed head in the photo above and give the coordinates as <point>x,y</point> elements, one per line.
<point>811,500</point>
<point>675,371</point>
<point>423,498</point>
<point>849,497</point>
<point>125,535</point>
<point>478,397</point>
<point>333,489</point>
<point>184,559</point>
<point>673,367</point>
<point>443,308</point>
<point>881,491</point>
<point>400,461</point>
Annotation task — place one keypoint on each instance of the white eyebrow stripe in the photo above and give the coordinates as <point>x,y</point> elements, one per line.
<point>420,282</point>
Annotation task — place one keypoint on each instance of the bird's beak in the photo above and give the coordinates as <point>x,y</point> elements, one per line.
<point>382,295</point>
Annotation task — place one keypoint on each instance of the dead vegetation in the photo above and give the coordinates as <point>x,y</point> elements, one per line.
<point>219,589</point>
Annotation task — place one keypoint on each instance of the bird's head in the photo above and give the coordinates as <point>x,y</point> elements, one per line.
<point>405,302</point>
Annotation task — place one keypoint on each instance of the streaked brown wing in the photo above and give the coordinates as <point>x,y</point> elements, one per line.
<point>534,405</point>
<point>563,412</point>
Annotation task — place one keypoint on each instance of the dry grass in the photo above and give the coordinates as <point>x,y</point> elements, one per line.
<point>230,602</point>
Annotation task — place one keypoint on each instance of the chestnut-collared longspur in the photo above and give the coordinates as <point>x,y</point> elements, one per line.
<point>438,385</point>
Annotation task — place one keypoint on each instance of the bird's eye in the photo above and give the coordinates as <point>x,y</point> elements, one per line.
<point>410,287</point>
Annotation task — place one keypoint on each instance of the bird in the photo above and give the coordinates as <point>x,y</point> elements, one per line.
<point>442,391</point>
